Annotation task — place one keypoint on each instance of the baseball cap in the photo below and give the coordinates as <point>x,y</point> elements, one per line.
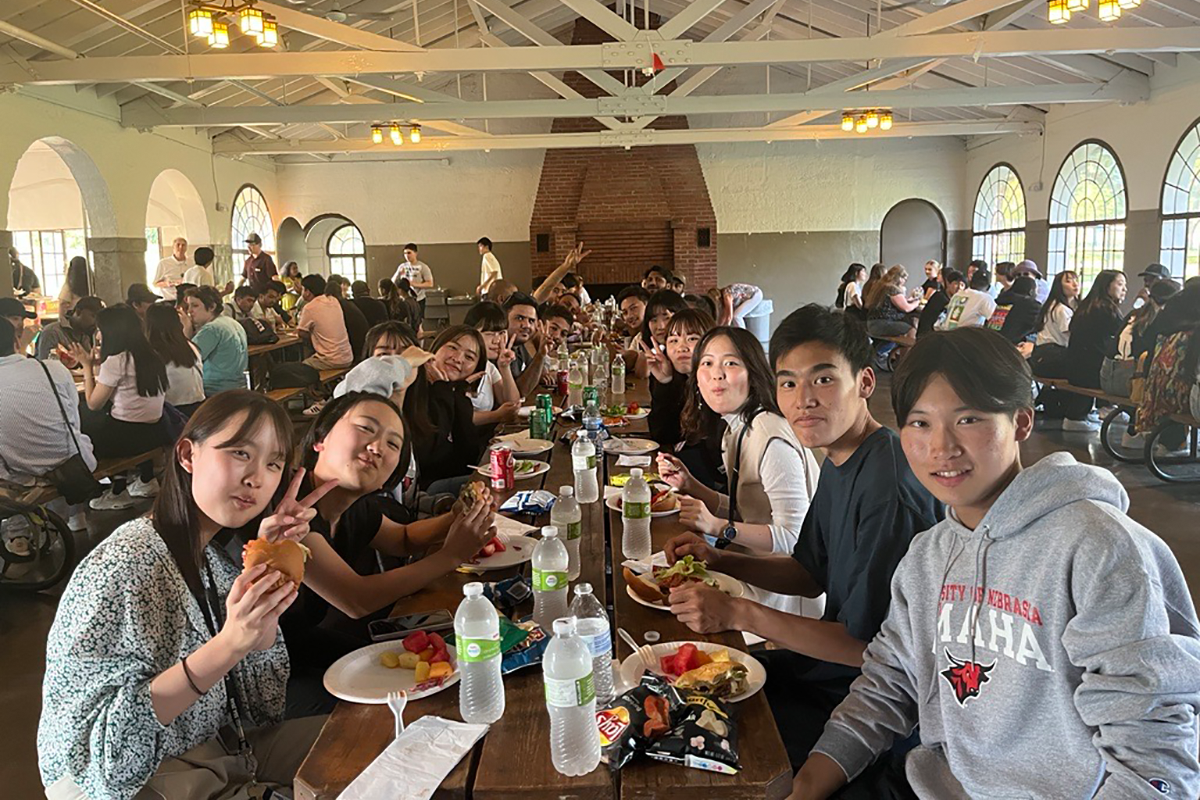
<point>1155,270</point>
<point>12,307</point>
<point>140,293</point>
<point>254,238</point>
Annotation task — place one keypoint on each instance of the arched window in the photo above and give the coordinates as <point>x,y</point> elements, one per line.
<point>1181,208</point>
<point>250,215</point>
<point>1087,213</point>
<point>347,253</point>
<point>999,223</point>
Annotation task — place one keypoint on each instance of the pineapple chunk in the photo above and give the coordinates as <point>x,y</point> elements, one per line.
<point>719,655</point>
<point>422,672</point>
<point>409,660</point>
<point>389,659</point>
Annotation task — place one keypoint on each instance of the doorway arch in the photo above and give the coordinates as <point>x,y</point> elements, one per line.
<point>912,232</point>
<point>174,209</point>
<point>318,234</point>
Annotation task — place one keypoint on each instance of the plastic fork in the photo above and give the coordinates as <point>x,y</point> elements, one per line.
<point>397,701</point>
<point>641,651</point>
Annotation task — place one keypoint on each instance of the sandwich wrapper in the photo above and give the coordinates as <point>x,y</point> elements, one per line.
<point>414,765</point>
<point>529,501</point>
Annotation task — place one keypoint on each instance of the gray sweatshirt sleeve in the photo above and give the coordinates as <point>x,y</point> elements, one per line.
<point>882,704</point>
<point>1141,683</point>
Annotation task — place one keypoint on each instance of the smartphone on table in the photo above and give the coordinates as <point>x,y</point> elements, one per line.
<point>386,630</point>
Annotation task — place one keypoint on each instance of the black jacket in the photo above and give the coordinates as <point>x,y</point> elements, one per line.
<point>453,447</point>
<point>1093,337</point>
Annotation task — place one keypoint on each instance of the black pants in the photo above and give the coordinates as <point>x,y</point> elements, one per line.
<point>801,707</point>
<point>114,438</point>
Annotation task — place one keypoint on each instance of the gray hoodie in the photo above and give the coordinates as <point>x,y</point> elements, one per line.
<point>1083,676</point>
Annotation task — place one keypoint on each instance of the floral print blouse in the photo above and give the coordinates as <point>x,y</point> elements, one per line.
<point>127,616</point>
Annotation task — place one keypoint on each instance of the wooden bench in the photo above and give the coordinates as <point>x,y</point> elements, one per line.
<point>105,468</point>
<point>1122,405</point>
<point>327,376</point>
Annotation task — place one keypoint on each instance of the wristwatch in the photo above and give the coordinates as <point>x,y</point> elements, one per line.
<point>726,537</point>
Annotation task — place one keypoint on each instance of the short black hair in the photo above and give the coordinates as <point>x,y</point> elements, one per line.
<point>953,276</point>
<point>411,246</point>
<point>666,273</point>
<point>203,256</point>
<point>1003,386</point>
<point>90,303</point>
<point>519,299</point>
<point>8,339</point>
<point>816,323</point>
<point>208,296</point>
<point>1004,269</point>
<point>570,280</point>
<point>982,279</point>
<point>485,241</point>
<point>314,283</point>
<point>245,290</point>
<point>1025,285</point>
<point>487,317</point>
<point>275,286</point>
<point>978,263</point>
<point>702,302</point>
<point>550,311</point>
<point>633,291</point>
<point>360,289</point>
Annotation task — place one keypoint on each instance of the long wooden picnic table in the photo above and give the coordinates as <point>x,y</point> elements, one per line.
<point>513,760</point>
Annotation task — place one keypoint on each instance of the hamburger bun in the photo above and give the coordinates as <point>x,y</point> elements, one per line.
<point>668,502</point>
<point>644,586</point>
<point>285,556</point>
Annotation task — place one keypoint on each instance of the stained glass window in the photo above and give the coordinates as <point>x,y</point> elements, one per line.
<point>999,220</point>
<point>1088,209</point>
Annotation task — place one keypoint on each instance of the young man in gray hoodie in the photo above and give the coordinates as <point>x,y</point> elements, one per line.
<point>1045,644</point>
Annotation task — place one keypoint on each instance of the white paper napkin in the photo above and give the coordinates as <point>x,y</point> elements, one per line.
<point>414,765</point>
<point>633,461</point>
<point>507,527</point>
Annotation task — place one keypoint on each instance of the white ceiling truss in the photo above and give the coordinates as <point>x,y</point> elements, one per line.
<point>492,74</point>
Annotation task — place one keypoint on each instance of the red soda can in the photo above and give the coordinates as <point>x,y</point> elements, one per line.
<point>503,467</point>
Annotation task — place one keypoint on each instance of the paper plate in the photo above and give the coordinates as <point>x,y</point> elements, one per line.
<point>527,447</point>
<point>729,585</point>
<point>630,446</point>
<point>539,467</point>
<point>359,677</point>
<point>524,411</point>
<point>632,668</point>
<point>520,550</point>
<point>614,502</point>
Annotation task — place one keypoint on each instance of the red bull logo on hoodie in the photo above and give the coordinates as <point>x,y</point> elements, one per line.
<point>966,677</point>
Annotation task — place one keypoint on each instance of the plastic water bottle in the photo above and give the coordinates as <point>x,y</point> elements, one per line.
<point>565,516</point>
<point>477,641</point>
<point>583,462</point>
<point>635,517</point>
<point>571,701</point>
<point>617,394</point>
<point>575,385</point>
<point>591,423</point>
<point>550,582</point>
<point>591,622</point>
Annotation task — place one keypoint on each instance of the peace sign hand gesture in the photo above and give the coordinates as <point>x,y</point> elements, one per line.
<point>660,367</point>
<point>507,354</point>
<point>292,516</point>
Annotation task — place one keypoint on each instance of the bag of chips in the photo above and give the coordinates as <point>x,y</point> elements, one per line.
<point>704,736</point>
<point>635,719</point>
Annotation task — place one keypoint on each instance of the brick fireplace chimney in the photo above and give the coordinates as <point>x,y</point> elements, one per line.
<point>632,208</point>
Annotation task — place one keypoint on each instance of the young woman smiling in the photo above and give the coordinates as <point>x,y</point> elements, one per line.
<point>771,475</point>
<point>496,396</point>
<point>161,642</point>
<point>447,452</point>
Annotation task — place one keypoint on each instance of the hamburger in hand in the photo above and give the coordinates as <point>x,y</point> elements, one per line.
<point>284,556</point>
<point>655,586</point>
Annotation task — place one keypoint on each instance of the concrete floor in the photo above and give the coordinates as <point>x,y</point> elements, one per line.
<point>1169,510</point>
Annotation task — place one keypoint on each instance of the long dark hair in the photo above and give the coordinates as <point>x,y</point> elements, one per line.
<point>1098,297</point>
<point>287,270</point>
<point>79,277</point>
<point>697,416</point>
<point>390,296</point>
<point>486,317</point>
<point>456,332</point>
<point>662,299</point>
<point>121,332</point>
<point>1057,297</point>
<point>849,276</point>
<point>176,517</point>
<point>164,332</point>
<point>416,399</point>
<point>332,413</point>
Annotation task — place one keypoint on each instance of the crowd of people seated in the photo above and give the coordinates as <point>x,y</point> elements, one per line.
<point>945,619</point>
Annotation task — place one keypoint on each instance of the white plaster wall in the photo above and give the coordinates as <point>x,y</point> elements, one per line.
<point>830,186</point>
<point>44,194</point>
<point>127,161</point>
<point>1143,136</point>
<point>467,196</point>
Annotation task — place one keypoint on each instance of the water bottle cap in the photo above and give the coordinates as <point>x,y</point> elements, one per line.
<point>583,588</point>
<point>651,636</point>
<point>473,589</point>
<point>581,434</point>
<point>566,491</point>
<point>635,473</point>
<point>549,530</point>
<point>564,626</point>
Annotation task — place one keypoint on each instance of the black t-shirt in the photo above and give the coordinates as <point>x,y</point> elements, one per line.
<point>863,516</point>
<point>356,326</point>
<point>933,309</point>
<point>374,310</point>
<point>1021,317</point>
<point>452,447</point>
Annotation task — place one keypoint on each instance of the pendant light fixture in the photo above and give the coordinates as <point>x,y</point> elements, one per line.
<point>210,20</point>
<point>1077,5</point>
<point>872,119</point>
<point>220,36</point>
<point>847,121</point>
<point>270,34</point>
<point>885,121</point>
<point>376,134</point>
<point>1129,4</point>
<point>415,134</point>
<point>396,134</point>
<point>1058,13</point>
<point>1109,10</point>
<point>200,23</point>
<point>250,20</point>
<point>860,124</point>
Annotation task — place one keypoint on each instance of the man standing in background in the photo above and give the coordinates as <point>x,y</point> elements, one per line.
<point>172,269</point>
<point>489,270</point>
<point>420,276</point>
<point>259,269</point>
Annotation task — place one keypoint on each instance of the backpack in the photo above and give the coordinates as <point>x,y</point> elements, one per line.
<point>257,332</point>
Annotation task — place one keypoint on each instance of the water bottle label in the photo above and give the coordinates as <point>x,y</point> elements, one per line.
<point>600,644</point>
<point>635,510</point>
<point>474,651</point>
<point>570,693</point>
<point>544,581</point>
<point>583,463</point>
<point>574,530</point>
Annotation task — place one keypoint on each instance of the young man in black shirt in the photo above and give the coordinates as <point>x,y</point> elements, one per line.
<point>867,507</point>
<point>935,306</point>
